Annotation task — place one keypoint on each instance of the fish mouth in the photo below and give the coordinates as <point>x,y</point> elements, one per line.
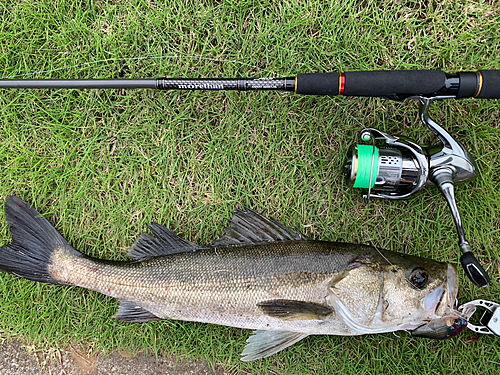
<point>442,301</point>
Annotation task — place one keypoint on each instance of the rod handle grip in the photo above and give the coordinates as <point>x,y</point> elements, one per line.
<point>400,84</point>
<point>376,83</point>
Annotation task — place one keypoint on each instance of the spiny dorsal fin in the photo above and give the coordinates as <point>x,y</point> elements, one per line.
<point>132,313</point>
<point>263,344</point>
<point>289,310</point>
<point>165,242</point>
<point>249,227</point>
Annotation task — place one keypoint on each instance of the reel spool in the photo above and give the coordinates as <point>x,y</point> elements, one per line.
<point>396,168</point>
<point>391,172</point>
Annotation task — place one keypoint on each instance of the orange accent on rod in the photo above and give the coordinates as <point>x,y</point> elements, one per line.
<point>295,84</point>
<point>480,84</point>
<point>341,83</point>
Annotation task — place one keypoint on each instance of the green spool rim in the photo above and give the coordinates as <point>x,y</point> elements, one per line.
<point>365,156</point>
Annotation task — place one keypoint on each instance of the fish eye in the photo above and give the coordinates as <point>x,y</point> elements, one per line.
<point>419,278</point>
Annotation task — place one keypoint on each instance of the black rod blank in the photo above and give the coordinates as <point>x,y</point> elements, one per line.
<point>78,83</point>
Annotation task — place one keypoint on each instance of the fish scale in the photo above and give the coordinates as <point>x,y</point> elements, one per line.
<point>238,275</point>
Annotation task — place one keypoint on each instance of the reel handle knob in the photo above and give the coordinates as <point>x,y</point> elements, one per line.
<point>474,271</point>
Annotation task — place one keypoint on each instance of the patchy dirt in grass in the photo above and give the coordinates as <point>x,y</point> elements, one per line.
<point>17,359</point>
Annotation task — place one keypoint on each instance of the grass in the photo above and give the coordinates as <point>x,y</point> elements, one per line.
<point>102,164</point>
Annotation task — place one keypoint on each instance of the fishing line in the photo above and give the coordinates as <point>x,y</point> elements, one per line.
<point>390,263</point>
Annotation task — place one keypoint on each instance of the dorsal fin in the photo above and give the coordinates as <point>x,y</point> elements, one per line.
<point>165,242</point>
<point>249,227</point>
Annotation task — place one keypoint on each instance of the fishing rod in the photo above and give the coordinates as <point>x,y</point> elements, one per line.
<point>396,85</point>
<point>389,167</point>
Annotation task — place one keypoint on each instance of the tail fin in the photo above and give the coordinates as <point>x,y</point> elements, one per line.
<point>34,240</point>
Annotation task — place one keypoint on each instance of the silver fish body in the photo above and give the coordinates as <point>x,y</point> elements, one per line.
<point>260,275</point>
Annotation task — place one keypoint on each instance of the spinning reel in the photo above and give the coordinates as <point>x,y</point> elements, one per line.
<point>396,168</point>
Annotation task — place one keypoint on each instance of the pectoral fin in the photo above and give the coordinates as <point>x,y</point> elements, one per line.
<point>285,309</point>
<point>263,344</point>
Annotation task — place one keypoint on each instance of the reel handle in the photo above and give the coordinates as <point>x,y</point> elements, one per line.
<point>443,179</point>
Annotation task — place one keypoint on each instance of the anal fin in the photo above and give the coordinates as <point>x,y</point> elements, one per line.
<point>132,313</point>
<point>289,310</point>
<point>263,344</point>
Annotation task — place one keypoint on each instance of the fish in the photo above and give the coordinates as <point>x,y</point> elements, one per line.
<point>258,275</point>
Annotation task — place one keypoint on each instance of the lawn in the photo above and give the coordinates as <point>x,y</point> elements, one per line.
<point>100,164</point>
